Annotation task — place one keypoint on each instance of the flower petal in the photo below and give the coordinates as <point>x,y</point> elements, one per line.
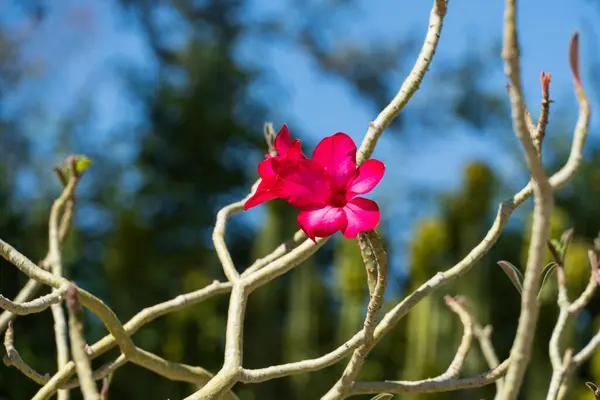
<point>295,151</point>
<point>265,168</point>
<point>267,190</point>
<point>283,140</point>
<point>369,174</point>
<point>322,222</point>
<point>304,183</point>
<point>362,215</point>
<point>337,154</point>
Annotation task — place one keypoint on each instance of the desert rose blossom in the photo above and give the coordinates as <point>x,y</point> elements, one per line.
<point>324,188</point>
<point>287,149</point>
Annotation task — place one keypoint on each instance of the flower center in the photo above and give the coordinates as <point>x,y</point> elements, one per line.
<point>338,199</point>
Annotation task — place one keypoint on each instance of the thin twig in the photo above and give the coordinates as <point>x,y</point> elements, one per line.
<point>55,261</point>
<point>142,318</point>
<point>34,306</point>
<point>563,367</point>
<point>410,85</point>
<point>12,358</point>
<point>218,235</point>
<point>234,341</point>
<point>278,371</point>
<point>369,260</point>
<point>431,385</point>
<point>32,286</point>
<point>540,131</point>
<point>484,337</point>
<point>373,252</point>
<point>282,249</point>
<point>543,204</point>
<point>25,294</point>
<point>78,345</point>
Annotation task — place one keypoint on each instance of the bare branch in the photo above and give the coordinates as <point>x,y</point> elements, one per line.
<point>27,293</point>
<point>410,85</point>
<point>373,253</point>
<point>12,358</point>
<point>282,249</point>
<point>369,260</point>
<point>234,341</point>
<point>106,315</point>
<point>540,131</point>
<point>218,235</point>
<point>465,344</point>
<point>32,286</point>
<point>484,336</point>
<point>78,344</point>
<point>432,384</point>
<point>34,306</point>
<point>521,349</point>
<point>55,261</point>
<point>142,318</point>
<point>278,371</point>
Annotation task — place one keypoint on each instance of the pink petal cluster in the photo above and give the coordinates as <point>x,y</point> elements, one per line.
<point>324,188</point>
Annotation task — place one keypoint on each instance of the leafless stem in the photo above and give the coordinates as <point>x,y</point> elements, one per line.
<point>446,381</point>
<point>521,350</point>
<point>484,337</point>
<point>540,131</point>
<point>411,83</point>
<point>142,318</point>
<point>278,371</point>
<point>218,235</point>
<point>282,249</point>
<point>431,385</point>
<point>373,253</point>
<point>27,293</point>
<point>34,306</point>
<point>32,286</point>
<point>465,344</point>
<point>563,367</point>
<point>12,358</point>
<point>55,261</point>
<point>369,260</point>
<point>78,345</point>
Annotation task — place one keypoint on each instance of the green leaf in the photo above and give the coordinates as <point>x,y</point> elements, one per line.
<point>515,276</point>
<point>546,273</point>
<point>82,163</point>
<point>383,396</point>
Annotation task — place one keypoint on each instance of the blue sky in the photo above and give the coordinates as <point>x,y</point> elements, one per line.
<point>78,60</point>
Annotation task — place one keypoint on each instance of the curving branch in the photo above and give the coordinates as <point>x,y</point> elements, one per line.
<point>279,371</point>
<point>521,351</point>
<point>34,306</point>
<point>218,235</point>
<point>60,379</point>
<point>55,261</point>
<point>484,337</point>
<point>371,250</point>
<point>446,381</point>
<point>410,85</point>
<point>431,385</point>
<point>282,249</point>
<point>78,345</point>
<point>13,358</point>
<point>32,286</point>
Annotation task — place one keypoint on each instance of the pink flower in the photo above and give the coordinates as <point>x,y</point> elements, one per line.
<point>324,188</point>
<point>268,188</point>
